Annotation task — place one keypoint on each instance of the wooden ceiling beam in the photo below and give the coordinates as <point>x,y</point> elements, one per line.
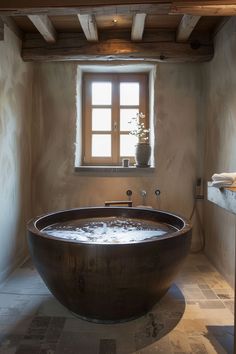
<point>110,50</point>
<point>138,26</point>
<point>158,7</point>
<point>89,27</point>
<point>186,27</point>
<point>10,23</point>
<point>89,8</point>
<point>6,4</point>
<point>219,26</point>
<point>204,8</point>
<point>45,27</point>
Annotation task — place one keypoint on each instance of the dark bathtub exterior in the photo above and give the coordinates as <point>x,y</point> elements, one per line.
<point>109,282</point>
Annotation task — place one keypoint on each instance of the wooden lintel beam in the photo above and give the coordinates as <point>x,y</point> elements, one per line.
<point>1,30</point>
<point>34,40</point>
<point>45,27</point>
<point>204,8</point>
<point>84,7</point>
<point>89,27</point>
<point>186,27</point>
<point>138,26</point>
<point>109,50</point>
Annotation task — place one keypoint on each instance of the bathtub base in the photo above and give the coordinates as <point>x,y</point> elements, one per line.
<point>109,283</point>
<point>102,321</point>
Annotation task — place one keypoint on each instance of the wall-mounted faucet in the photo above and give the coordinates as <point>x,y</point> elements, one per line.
<point>129,194</point>
<point>143,194</point>
<point>157,192</point>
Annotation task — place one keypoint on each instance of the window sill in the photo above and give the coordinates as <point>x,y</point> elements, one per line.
<point>133,170</point>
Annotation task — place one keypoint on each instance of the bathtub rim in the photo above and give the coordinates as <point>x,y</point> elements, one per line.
<point>34,229</point>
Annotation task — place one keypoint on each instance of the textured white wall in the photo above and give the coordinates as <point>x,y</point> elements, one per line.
<point>220,144</point>
<point>57,186</point>
<point>15,152</point>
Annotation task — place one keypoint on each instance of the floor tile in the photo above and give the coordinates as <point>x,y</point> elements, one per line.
<point>195,316</point>
<point>107,346</point>
<point>209,294</point>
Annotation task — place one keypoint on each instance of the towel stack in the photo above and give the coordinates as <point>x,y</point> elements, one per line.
<point>224,180</point>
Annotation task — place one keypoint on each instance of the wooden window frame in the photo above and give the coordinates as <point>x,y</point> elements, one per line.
<point>115,78</point>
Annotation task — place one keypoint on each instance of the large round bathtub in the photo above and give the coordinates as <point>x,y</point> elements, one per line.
<point>111,281</point>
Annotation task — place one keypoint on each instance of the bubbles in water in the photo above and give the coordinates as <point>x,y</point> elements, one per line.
<point>108,230</point>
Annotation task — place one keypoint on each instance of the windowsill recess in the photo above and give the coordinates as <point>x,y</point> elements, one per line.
<point>223,197</point>
<point>115,169</point>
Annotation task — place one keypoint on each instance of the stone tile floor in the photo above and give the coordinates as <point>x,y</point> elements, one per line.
<point>195,316</point>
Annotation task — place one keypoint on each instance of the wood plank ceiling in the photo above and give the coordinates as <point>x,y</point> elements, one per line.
<point>101,30</point>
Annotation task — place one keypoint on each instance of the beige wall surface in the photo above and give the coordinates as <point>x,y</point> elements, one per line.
<point>15,155</point>
<point>220,144</point>
<point>177,107</point>
<point>191,102</point>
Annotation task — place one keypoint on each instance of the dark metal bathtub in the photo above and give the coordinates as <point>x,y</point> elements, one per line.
<point>109,282</point>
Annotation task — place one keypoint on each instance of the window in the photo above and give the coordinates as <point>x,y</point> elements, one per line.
<point>109,103</point>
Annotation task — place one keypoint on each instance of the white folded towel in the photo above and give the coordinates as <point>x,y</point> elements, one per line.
<point>222,184</point>
<point>230,177</point>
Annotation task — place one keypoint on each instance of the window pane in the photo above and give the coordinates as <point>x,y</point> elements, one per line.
<point>101,93</point>
<point>129,93</point>
<point>101,145</point>
<point>101,119</point>
<point>126,116</point>
<point>127,144</point>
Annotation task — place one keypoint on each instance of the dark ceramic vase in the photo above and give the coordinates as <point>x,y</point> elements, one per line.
<point>142,154</point>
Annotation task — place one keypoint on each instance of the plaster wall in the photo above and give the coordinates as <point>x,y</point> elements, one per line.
<point>220,144</point>
<point>189,100</point>
<point>15,155</point>
<point>176,107</point>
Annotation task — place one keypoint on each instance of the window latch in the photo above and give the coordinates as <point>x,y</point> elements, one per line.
<point>115,126</point>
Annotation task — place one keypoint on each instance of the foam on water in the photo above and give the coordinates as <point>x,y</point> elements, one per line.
<point>108,230</point>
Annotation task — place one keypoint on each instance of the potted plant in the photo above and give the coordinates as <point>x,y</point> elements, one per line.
<point>143,148</point>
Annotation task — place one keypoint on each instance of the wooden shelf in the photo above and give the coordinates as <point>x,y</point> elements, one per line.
<point>223,197</point>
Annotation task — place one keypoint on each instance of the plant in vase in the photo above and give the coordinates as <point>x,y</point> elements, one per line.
<point>143,148</point>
